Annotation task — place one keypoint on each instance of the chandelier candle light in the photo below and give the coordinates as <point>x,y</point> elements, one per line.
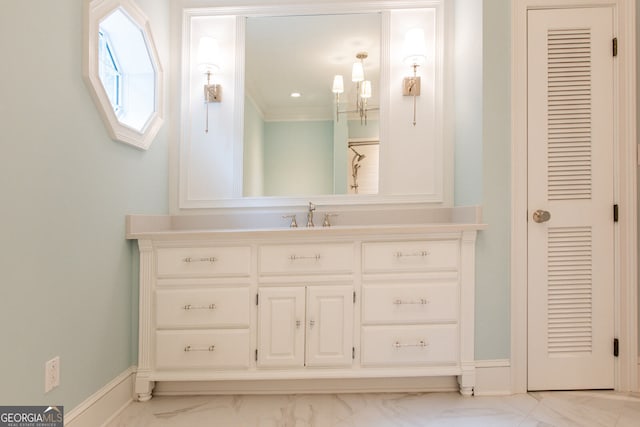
<point>415,55</point>
<point>208,54</point>
<point>363,89</point>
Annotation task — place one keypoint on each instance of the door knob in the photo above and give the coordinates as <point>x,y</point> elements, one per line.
<point>540,216</point>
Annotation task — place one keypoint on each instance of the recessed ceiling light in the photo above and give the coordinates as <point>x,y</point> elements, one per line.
<point>295,94</point>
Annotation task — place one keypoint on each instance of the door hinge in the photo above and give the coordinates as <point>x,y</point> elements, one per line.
<point>616,347</point>
<point>257,296</point>
<point>256,354</point>
<point>353,353</point>
<point>615,213</point>
<point>354,297</point>
<point>615,46</point>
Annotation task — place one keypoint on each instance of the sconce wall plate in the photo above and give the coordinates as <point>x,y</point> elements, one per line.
<point>411,86</point>
<point>212,93</point>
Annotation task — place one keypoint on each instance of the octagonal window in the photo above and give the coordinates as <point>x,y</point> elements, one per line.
<point>123,71</point>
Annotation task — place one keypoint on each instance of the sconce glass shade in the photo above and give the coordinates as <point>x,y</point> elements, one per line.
<point>208,54</point>
<point>415,47</point>
<point>357,72</point>
<point>338,84</point>
<point>365,90</point>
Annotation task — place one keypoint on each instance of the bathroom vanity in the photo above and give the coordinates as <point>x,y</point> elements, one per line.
<point>384,300</point>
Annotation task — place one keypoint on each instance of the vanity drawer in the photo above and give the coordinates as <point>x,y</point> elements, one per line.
<point>410,345</point>
<point>228,348</point>
<point>410,256</point>
<point>222,307</point>
<point>308,258</point>
<point>204,261</point>
<point>410,303</point>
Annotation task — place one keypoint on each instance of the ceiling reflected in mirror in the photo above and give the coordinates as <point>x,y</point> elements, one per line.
<point>303,54</point>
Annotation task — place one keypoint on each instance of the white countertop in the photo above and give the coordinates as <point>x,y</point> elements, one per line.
<point>271,224</point>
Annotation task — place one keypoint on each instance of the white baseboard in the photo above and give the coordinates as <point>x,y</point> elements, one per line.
<point>312,386</point>
<point>105,404</point>
<point>493,377</point>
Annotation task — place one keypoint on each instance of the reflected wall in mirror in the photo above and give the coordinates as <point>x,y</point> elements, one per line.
<point>123,71</point>
<point>297,128</point>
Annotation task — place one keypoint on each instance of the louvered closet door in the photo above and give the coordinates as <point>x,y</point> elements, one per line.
<point>570,176</point>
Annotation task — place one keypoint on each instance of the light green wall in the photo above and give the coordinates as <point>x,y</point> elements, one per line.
<point>358,130</point>
<point>493,260</point>
<point>298,158</point>
<point>467,80</point>
<point>66,270</point>
<point>340,137</point>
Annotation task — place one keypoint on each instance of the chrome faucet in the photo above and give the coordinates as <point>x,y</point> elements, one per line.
<point>312,208</point>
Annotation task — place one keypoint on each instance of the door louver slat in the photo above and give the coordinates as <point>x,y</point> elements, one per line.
<point>569,294</point>
<point>569,114</point>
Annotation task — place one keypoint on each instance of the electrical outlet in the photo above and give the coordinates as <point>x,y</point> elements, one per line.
<point>52,374</point>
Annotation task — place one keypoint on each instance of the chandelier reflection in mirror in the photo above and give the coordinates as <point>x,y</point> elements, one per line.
<point>363,90</point>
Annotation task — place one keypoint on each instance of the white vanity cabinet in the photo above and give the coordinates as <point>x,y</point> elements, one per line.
<point>309,304</point>
<point>305,304</point>
<point>308,326</point>
<point>195,310</point>
<point>411,303</point>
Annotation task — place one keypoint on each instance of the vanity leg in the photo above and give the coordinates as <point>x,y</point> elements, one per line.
<point>467,380</point>
<point>144,388</point>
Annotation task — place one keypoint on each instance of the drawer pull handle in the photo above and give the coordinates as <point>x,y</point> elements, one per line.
<point>416,254</point>
<point>189,348</point>
<point>421,344</point>
<point>421,301</point>
<point>312,323</point>
<point>297,324</point>
<point>315,257</point>
<point>200,307</point>
<point>210,259</point>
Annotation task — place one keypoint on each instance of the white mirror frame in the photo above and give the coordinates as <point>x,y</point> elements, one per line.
<point>181,199</point>
<point>94,12</point>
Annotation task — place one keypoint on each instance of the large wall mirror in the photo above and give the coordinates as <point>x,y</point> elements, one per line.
<point>302,135</point>
<point>278,113</point>
<point>122,70</point>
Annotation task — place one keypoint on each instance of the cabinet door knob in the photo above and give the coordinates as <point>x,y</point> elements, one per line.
<point>298,324</point>
<point>312,323</point>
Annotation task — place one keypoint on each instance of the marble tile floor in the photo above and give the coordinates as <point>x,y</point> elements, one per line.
<point>571,408</point>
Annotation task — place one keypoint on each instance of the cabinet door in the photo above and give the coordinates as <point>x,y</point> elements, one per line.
<point>329,325</point>
<point>281,327</point>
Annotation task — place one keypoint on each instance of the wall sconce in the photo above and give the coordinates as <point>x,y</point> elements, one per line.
<point>363,89</point>
<point>208,54</point>
<point>415,50</point>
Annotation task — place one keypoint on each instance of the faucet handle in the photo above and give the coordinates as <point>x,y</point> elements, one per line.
<point>294,223</point>
<point>326,222</point>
